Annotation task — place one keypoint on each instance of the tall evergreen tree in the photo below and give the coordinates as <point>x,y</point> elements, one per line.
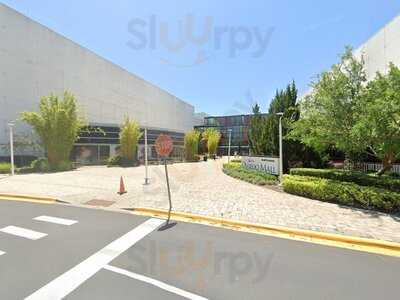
<point>256,132</point>
<point>284,101</point>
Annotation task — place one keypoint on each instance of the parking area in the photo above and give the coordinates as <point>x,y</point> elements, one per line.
<point>60,251</point>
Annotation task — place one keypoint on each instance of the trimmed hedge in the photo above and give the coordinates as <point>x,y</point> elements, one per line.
<point>345,193</point>
<point>235,170</point>
<point>236,160</point>
<point>5,168</point>
<point>385,182</point>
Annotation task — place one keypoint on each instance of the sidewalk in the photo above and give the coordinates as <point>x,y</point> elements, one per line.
<point>202,188</point>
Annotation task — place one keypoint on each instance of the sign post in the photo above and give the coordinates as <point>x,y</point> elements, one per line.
<point>146,162</point>
<point>164,147</point>
<point>11,125</point>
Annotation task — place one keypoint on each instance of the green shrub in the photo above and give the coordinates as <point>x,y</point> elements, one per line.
<point>114,161</point>
<point>40,165</point>
<point>195,158</point>
<point>345,193</point>
<point>253,176</point>
<point>63,166</point>
<point>236,160</point>
<point>25,170</point>
<point>5,168</point>
<point>120,161</point>
<point>386,182</point>
<point>191,145</point>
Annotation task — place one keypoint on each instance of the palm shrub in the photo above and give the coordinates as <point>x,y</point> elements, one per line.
<point>57,123</point>
<point>129,138</point>
<point>212,136</point>
<point>192,145</point>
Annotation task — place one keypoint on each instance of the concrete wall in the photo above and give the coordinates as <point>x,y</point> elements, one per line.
<point>35,61</point>
<point>381,49</point>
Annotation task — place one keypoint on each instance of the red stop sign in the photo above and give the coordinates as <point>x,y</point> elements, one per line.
<point>164,145</point>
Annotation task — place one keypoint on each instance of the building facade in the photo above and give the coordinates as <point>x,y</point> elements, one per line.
<point>381,49</point>
<point>237,126</point>
<point>35,61</point>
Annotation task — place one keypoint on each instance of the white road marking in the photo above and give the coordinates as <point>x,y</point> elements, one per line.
<point>55,220</point>
<point>155,282</point>
<point>70,280</point>
<point>22,232</point>
<point>2,252</point>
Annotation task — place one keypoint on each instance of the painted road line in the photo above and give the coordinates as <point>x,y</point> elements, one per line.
<point>159,284</point>
<point>70,280</point>
<point>55,220</point>
<point>22,232</point>
<point>2,252</point>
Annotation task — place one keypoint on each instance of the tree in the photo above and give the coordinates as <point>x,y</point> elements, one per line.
<point>284,101</point>
<point>212,136</point>
<point>328,114</point>
<point>57,124</point>
<point>191,144</point>
<point>378,118</point>
<point>256,132</point>
<point>129,136</point>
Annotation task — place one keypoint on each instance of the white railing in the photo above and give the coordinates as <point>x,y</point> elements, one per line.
<point>377,166</point>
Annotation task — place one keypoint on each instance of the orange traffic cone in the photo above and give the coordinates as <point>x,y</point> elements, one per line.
<point>121,187</point>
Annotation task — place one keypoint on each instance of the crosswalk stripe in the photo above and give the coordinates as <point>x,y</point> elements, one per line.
<point>55,220</point>
<point>2,252</point>
<point>22,232</point>
<point>155,282</point>
<point>70,280</point>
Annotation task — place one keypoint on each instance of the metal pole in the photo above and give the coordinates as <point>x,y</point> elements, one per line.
<point>146,179</point>
<point>280,151</point>
<point>11,148</point>
<point>169,192</point>
<point>229,146</point>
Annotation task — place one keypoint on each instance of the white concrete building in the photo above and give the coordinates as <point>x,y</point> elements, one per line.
<point>35,61</point>
<point>381,49</point>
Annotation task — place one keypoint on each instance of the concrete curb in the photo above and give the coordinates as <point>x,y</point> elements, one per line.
<point>27,198</point>
<point>348,242</point>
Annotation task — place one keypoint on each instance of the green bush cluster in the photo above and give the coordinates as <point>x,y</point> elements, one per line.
<point>386,182</point>
<point>196,158</point>
<point>42,165</point>
<point>236,160</point>
<point>345,193</point>
<point>5,168</point>
<point>119,161</point>
<point>252,176</point>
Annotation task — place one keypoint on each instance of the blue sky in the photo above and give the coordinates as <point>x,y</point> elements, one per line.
<point>248,50</point>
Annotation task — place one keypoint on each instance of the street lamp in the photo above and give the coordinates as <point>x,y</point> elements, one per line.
<point>280,114</point>
<point>11,125</point>
<point>229,145</point>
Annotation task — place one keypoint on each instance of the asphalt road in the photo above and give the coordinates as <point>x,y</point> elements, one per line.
<point>59,251</point>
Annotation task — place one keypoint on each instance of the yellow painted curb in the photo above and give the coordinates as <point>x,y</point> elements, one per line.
<point>330,239</point>
<point>27,198</point>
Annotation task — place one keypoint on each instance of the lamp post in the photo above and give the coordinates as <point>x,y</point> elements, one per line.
<point>280,114</point>
<point>229,145</point>
<point>11,125</point>
<point>146,178</point>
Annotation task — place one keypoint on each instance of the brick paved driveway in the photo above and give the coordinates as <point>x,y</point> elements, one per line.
<point>202,188</point>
